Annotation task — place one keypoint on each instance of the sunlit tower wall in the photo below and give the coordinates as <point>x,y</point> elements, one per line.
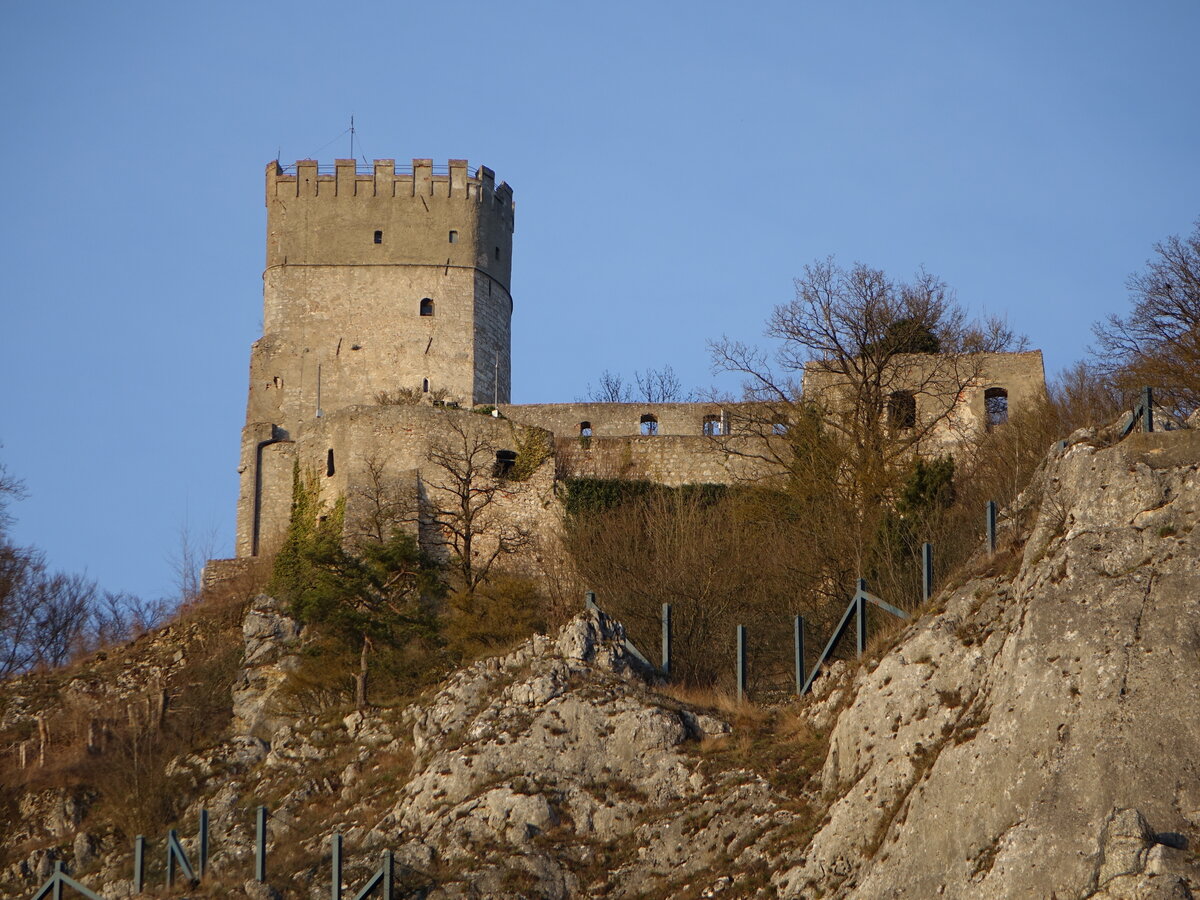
<point>376,282</point>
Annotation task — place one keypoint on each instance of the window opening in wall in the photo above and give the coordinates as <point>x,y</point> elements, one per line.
<point>649,425</point>
<point>427,307</point>
<point>329,463</point>
<point>713,426</point>
<point>425,385</point>
<point>497,253</point>
<point>505,460</point>
<point>995,406</point>
<point>454,237</point>
<point>901,410</point>
<point>779,426</point>
<point>379,237</point>
<point>585,429</point>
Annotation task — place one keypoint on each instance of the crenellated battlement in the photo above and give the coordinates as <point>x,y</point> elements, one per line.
<point>308,179</point>
<point>348,214</point>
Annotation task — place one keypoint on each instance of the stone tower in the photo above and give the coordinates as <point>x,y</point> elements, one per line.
<point>375,282</point>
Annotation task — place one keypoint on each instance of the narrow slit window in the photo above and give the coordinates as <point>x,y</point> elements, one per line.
<point>427,307</point>
<point>497,253</point>
<point>995,406</point>
<point>454,237</point>
<point>379,237</point>
<point>329,463</point>
<point>902,410</point>
<point>424,385</point>
<point>649,425</point>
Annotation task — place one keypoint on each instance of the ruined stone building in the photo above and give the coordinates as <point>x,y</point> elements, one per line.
<point>386,326</point>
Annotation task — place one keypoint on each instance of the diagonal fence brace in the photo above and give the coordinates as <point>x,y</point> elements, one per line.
<point>175,854</point>
<point>589,603</point>
<point>1143,412</point>
<point>58,881</point>
<point>856,609</point>
<point>383,879</point>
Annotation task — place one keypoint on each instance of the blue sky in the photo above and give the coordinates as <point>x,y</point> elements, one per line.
<point>674,166</point>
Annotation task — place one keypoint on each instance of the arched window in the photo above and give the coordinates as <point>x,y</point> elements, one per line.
<point>995,406</point>
<point>454,237</point>
<point>505,460</point>
<point>712,426</point>
<point>329,463</point>
<point>901,410</point>
<point>585,429</point>
<point>424,385</point>
<point>649,425</point>
<point>426,307</point>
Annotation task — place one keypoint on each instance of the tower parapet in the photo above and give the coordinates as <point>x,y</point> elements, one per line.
<point>425,215</point>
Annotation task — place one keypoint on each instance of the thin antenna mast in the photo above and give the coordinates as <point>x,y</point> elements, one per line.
<point>496,382</point>
<point>352,136</point>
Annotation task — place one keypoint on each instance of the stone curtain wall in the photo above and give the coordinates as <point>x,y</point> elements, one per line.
<point>672,460</point>
<point>618,419</point>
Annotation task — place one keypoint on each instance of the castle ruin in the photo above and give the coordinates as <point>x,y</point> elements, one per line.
<point>387,324</point>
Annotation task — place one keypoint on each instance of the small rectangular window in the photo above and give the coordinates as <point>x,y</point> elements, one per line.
<point>454,237</point>
<point>379,237</point>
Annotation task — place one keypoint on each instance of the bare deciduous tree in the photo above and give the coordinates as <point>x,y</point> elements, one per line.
<point>380,503</point>
<point>461,499</point>
<point>1158,342</point>
<point>652,386</point>
<point>885,365</point>
<point>47,618</point>
<point>859,338</point>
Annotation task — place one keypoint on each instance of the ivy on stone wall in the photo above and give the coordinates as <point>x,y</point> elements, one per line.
<point>311,524</point>
<point>534,447</point>
<point>583,496</point>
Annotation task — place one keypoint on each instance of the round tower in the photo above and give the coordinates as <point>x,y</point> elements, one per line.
<point>378,283</point>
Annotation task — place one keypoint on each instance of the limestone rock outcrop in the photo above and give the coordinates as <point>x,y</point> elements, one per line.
<point>982,756</point>
<point>270,639</point>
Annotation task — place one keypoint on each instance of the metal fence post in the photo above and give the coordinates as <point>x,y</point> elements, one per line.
<point>203,843</point>
<point>926,572</point>
<point>171,835</point>
<point>991,526</point>
<point>336,878</point>
<point>139,863</point>
<point>798,644</point>
<point>260,845</point>
<point>741,663</point>
<point>666,640</point>
<point>1147,409</point>
<point>860,615</point>
<point>388,867</point>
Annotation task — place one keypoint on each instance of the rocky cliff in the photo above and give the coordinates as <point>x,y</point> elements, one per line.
<point>1038,735</point>
<point>1033,734</point>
